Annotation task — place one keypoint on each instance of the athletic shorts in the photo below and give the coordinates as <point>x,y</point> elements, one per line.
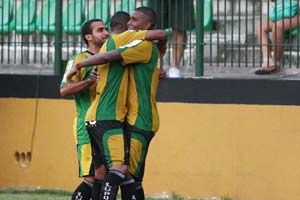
<point>84,154</point>
<point>138,147</point>
<point>109,146</point>
<point>176,14</point>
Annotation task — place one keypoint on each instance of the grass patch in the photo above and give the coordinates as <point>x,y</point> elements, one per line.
<point>34,194</point>
<point>46,194</point>
<point>35,191</point>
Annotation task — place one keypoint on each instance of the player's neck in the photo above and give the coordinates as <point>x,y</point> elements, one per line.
<point>93,49</point>
<point>118,30</point>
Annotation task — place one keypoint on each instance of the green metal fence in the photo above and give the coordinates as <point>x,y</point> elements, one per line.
<point>226,33</point>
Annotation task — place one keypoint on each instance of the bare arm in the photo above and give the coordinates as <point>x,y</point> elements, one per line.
<point>72,88</point>
<point>156,35</point>
<point>162,38</point>
<point>97,59</point>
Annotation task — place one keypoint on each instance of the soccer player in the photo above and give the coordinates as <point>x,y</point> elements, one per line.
<point>145,55</point>
<point>83,87</point>
<point>142,119</point>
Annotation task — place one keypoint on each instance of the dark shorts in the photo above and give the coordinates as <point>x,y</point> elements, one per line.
<point>109,146</point>
<point>138,147</point>
<point>175,14</point>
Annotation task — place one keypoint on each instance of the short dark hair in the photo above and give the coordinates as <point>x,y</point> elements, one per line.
<point>119,19</point>
<point>149,13</point>
<point>87,28</point>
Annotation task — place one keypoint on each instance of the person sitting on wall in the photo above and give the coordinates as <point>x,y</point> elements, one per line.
<point>282,18</point>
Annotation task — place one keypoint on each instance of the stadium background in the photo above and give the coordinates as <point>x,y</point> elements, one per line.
<point>218,136</point>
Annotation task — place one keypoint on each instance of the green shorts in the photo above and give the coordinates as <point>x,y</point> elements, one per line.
<point>175,14</point>
<point>139,145</point>
<point>84,154</point>
<point>109,144</point>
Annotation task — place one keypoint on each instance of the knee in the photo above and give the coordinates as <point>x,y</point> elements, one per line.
<point>100,172</point>
<point>120,168</point>
<point>263,25</point>
<point>89,179</point>
<point>279,27</point>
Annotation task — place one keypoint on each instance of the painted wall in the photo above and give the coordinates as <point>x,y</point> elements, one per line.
<point>201,150</point>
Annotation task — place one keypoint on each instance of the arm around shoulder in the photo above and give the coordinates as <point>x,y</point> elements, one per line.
<point>156,34</point>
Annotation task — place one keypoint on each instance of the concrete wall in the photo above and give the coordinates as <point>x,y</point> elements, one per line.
<point>201,150</point>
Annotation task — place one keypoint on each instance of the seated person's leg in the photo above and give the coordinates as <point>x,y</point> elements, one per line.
<point>282,26</point>
<point>182,20</point>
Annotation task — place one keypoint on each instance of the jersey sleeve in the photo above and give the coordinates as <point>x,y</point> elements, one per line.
<point>132,35</point>
<point>138,51</point>
<point>79,76</point>
<point>127,37</point>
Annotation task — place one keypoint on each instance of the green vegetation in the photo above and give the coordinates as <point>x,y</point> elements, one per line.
<point>13,194</point>
<point>44,194</point>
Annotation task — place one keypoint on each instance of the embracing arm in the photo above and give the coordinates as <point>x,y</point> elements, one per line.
<point>162,38</point>
<point>156,35</point>
<point>74,87</point>
<point>98,59</point>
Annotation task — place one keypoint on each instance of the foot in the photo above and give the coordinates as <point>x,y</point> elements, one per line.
<point>174,72</point>
<point>267,70</point>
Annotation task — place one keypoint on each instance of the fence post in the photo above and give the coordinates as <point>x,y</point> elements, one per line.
<point>58,38</point>
<point>199,37</point>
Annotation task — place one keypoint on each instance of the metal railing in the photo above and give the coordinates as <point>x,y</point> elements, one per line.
<point>225,35</point>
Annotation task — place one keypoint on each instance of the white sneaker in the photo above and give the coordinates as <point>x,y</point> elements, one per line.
<point>174,72</point>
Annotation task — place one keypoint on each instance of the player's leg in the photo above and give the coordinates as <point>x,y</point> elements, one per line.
<point>139,145</point>
<point>98,162</point>
<point>86,170</point>
<point>114,150</point>
<point>132,189</point>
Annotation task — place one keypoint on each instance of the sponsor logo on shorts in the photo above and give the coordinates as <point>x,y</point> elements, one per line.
<point>107,191</point>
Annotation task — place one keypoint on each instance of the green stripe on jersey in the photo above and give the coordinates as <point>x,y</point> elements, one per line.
<point>107,109</point>
<point>143,78</point>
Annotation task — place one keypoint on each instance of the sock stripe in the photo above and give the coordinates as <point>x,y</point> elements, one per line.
<point>120,174</point>
<point>127,182</point>
<point>88,183</point>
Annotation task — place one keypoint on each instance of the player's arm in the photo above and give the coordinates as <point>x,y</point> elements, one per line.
<point>74,87</point>
<point>156,35</point>
<point>162,38</point>
<point>98,59</point>
<point>138,51</point>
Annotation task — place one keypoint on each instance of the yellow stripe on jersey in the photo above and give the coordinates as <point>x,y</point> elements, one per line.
<point>143,82</point>
<point>116,154</point>
<point>81,74</point>
<point>154,85</point>
<point>86,158</point>
<point>104,71</point>
<point>132,101</point>
<point>122,98</point>
<point>92,111</point>
<point>75,129</point>
<point>127,37</point>
<point>135,152</point>
<point>139,51</point>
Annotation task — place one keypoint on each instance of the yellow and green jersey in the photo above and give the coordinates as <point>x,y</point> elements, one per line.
<point>82,99</point>
<point>143,83</point>
<point>112,87</point>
